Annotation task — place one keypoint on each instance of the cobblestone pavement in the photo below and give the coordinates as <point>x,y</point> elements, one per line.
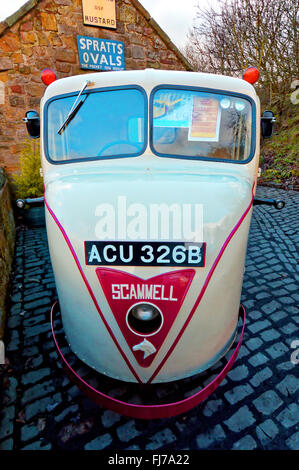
<point>256,407</point>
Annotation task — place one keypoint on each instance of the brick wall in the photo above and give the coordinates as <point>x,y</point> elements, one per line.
<point>44,34</point>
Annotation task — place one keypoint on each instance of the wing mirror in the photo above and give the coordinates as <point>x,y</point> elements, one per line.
<point>32,121</point>
<point>267,122</point>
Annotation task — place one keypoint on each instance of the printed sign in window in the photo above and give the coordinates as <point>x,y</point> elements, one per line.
<point>100,13</point>
<point>172,109</point>
<point>206,116</point>
<point>101,54</point>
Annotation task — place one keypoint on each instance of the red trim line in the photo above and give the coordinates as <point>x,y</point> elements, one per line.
<point>201,292</point>
<point>90,291</point>
<point>146,411</point>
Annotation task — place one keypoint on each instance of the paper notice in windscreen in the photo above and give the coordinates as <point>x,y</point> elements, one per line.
<point>172,109</point>
<point>206,116</point>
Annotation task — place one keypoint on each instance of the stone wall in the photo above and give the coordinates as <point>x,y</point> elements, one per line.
<point>43,34</point>
<point>7,241</point>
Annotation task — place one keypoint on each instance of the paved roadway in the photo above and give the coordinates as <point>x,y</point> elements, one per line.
<point>256,407</point>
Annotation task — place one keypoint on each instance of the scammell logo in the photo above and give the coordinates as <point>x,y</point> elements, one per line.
<point>164,294</point>
<point>146,347</point>
<point>142,292</point>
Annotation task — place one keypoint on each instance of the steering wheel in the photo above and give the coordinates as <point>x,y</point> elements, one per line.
<point>114,144</point>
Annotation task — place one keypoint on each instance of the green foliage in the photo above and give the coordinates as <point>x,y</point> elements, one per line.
<point>279,155</point>
<point>29,182</point>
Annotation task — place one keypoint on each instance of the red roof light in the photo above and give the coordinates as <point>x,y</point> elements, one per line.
<point>48,76</point>
<point>251,75</point>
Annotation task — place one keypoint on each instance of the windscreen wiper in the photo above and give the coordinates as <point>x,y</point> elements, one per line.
<point>75,108</point>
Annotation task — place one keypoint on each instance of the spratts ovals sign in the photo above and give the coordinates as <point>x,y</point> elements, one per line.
<point>100,54</point>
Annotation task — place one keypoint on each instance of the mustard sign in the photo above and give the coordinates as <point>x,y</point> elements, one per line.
<point>100,13</point>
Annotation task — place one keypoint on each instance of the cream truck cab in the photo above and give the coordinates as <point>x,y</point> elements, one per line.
<point>150,179</point>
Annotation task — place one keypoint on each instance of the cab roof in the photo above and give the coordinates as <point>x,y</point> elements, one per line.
<point>148,79</point>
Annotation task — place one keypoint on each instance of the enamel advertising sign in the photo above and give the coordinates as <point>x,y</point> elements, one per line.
<point>100,13</point>
<point>100,54</point>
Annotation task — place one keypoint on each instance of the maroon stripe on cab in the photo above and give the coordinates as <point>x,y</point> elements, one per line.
<point>90,291</point>
<point>201,292</point>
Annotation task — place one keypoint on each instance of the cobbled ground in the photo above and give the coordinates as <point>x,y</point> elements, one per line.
<point>256,407</point>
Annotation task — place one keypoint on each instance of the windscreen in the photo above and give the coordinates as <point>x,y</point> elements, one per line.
<point>105,124</point>
<point>199,124</point>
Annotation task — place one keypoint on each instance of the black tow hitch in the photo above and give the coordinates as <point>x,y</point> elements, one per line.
<point>277,203</point>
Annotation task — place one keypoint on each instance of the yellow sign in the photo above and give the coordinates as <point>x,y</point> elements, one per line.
<point>100,13</point>
<point>205,120</point>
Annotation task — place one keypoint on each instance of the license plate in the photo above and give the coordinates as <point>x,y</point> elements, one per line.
<point>145,253</point>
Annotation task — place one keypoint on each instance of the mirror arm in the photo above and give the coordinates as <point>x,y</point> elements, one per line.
<point>25,119</point>
<point>277,203</point>
<point>271,119</point>
<point>37,201</point>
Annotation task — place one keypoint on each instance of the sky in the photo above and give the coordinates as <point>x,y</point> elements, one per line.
<point>174,16</point>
